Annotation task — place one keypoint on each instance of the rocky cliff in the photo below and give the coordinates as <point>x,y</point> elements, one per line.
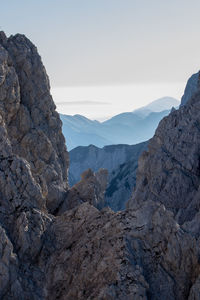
<point>33,125</point>
<point>191,88</point>
<point>169,171</point>
<point>51,251</point>
<point>119,160</point>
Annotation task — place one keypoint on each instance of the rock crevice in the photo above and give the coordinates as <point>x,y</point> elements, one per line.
<point>54,242</point>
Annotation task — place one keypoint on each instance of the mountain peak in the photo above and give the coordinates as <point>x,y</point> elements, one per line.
<point>191,88</point>
<point>158,105</point>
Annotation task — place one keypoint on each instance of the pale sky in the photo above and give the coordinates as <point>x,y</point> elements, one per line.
<point>111,42</point>
<point>103,102</point>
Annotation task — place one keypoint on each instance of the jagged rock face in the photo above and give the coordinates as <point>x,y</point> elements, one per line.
<point>121,184</point>
<point>33,168</point>
<point>33,125</point>
<point>84,253</point>
<point>23,222</point>
<point>191,88</point>
<point>169,172</point>
<point>91,188</point>
<point>138,254</point>
<point>108,157</point>
<point>119,160</point>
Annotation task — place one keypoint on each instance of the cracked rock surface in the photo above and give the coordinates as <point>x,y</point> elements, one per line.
<point>54,242</point>
<point>169,172</point>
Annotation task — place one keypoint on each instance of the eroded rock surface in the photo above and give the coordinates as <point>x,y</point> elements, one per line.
<point>169,172</point>
<point>33,125</point>
<point>138,254</point>
<point>91,188</point>
<point>119,160</point>
<point>51,251</point>
<point>191,88</point>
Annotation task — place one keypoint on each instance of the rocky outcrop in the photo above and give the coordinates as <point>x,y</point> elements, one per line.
<point>33,168</point>
<point>108,157</point>
<point>119,160</point>
<point>191,88</point>
<point>33,125</point>
<point>169,171</point>
<point>91,188</point>
<point>121,184</point>
<point>51,251</point>
<point>138,254</point>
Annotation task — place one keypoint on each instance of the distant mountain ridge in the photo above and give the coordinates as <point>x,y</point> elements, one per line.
<point>125,128</point>
<point>121,163</point>
<point>161,104</point>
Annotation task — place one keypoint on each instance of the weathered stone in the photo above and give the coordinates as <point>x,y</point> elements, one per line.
<point>169,171</point>
<point>138,254</point>
<point>80,252</point>
<point>191,88</point>
<point>31,118</point>
<point>119,160</point>
<point>91,188</point>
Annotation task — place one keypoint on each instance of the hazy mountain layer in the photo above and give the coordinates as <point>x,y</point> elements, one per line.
<point>70,250</point>
<point>119,160</point>
<point>126,128</point>
<point>169,171</point>
<point>164,103</point>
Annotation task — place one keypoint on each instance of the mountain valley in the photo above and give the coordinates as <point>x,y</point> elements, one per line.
<point>55,242</point>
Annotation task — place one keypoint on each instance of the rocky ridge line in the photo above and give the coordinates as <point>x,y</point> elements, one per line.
<point>83,253</point>
<point>169,172</point>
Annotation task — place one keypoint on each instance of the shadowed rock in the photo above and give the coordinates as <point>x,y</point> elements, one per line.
<point>33,125</point>
<point>84,253</point>
<point>169,172</point>
<point>191,88</point>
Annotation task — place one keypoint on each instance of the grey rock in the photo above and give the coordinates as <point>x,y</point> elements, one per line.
<point>138,254</point>
<point>80,252</point>
<point>31,119</point>
<point>195,290</point>
<point>108,157</point>
<point>91,188</point>
<point>191,88</point>
<point>121,184</point>
<point>169,171</point>
<point>119,160</point>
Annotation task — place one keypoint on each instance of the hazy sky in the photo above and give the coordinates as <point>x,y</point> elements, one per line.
<point>110,42</point>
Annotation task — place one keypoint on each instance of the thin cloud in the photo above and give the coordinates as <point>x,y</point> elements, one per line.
<point>83,103</point>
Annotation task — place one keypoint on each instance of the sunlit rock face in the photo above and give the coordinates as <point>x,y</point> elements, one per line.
<point>51,251</point>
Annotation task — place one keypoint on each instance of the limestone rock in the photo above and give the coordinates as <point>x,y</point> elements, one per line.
<point>30,116</point>
<point>169,171</point>
<point>91,188</point>
<point>121,184</point>
<point>138,254</point>
<point>80,252</point>
<point>191,88</point>
<point>119,160</point>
